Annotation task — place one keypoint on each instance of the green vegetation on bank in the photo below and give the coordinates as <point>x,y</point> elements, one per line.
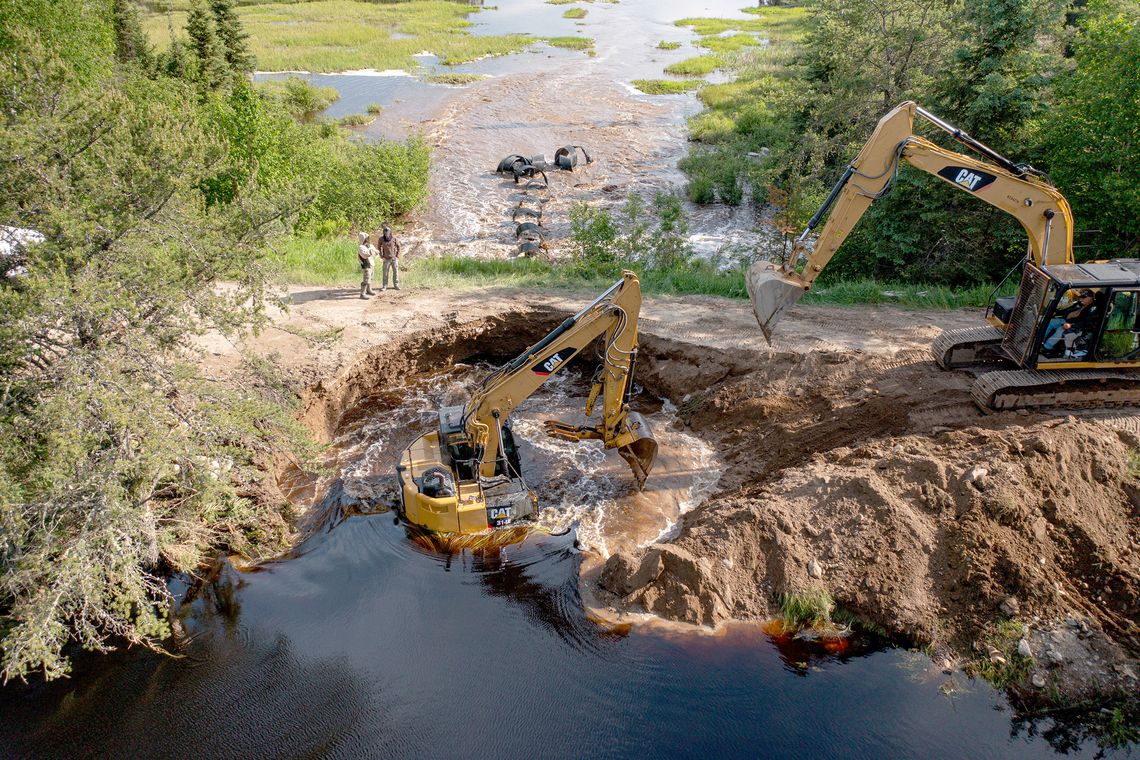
<point>454,78</point>
<point>570,43</point>
<point>697,66</point>
<point>1040,82</point>
<point>153,174</point>
<point>667,86</point>
<point>342,35</point>
<point>809,608</point>
<point>330,263</point>
<point>649,237</point>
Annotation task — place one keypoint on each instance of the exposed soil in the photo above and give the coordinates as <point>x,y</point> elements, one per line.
<point>851,462</point>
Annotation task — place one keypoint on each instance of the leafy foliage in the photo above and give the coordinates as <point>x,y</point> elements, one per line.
<point>641,238</point>
<point>157,198</point>
<point>1092,132</point>
<point>994,68</point>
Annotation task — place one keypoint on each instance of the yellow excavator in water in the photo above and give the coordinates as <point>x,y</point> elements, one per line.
<point>465,476</point>
<point>1059,360</point>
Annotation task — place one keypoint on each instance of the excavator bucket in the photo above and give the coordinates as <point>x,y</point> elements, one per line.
<point>641,452</point>
<point>772,291</point>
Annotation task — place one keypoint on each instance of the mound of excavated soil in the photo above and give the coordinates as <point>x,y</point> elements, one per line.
<point>877,480</point>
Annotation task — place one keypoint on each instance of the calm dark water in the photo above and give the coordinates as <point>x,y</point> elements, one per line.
<point>364,644</point>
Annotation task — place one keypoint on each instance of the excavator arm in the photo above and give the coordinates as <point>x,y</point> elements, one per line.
<point>613,315</point>
<point>1016,190</point>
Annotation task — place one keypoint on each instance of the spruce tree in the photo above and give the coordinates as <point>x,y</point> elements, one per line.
<point>234,39</point>
<point>131,45</point>
<point>993,86</point>
<point>174,62</point>
<point>212,69</point>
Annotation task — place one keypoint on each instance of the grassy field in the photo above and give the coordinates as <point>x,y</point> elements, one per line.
<point>333,263</point>
<point>341,35</point>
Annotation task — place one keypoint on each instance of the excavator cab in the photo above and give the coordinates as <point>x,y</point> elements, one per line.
<point>1072,316</point>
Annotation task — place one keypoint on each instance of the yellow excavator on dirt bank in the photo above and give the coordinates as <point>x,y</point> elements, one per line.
<point>465,476</point>
<point>1073,330</point>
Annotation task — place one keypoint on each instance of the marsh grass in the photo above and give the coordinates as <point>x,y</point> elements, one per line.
<point>776,24</point>
<point>697,66</point>
<point>341,35</point>
<point>357,119</point>
<point>454,78</point>
<point>575,13</point>
<point>810,608</point>
<point>667,86</point>
<point>729,44</point>
<point>667,45</point>
<point>570,43</point>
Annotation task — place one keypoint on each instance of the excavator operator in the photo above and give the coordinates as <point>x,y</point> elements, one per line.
<point>1077,319</point>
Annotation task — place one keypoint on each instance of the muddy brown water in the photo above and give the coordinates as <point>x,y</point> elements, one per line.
<point>366,642</point>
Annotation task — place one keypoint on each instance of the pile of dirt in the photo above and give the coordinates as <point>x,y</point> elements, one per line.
<point>876,479</point>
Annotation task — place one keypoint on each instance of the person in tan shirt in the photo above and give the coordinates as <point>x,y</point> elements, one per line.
<point>390,254</point>
<point>365,252</point>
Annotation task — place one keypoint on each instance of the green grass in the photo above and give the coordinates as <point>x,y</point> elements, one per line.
<point>730,44</point>
<point>776,24</point>
<point>570,43</point>
<point>1016,668</point>
<point>697,66</point>
<point>667,86</point>
<point>339,35</point>
<point>667,45</point>
<point>454,78</point>
<point>357,120</point>
<point>808,608</point>
<point>575,13</point>
<point>309,261</point>
<point>901,294</point>
<point>710,126</point>
<point>374,108</point>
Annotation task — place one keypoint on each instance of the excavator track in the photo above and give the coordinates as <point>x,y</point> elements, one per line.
<point>1071,389</point>
<point>954,349</point>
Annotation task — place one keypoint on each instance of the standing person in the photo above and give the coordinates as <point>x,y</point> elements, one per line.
<point>390,253</point>
<point>364,253</point>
